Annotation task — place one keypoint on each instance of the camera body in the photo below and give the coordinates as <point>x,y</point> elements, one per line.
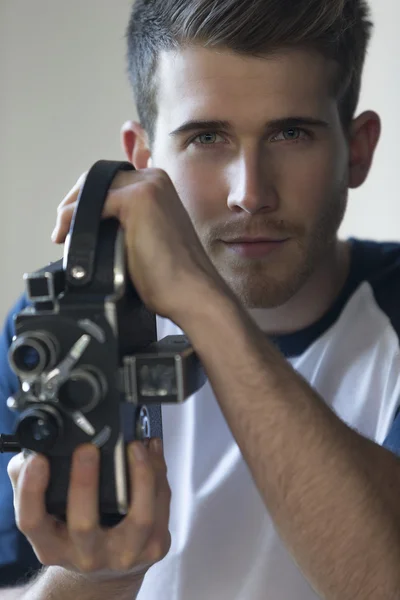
<point>87,357</point>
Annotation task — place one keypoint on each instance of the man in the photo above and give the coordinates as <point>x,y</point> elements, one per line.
<point>280,486</point>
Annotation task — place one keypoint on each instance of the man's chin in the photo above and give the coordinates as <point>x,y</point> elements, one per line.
<point>269,296</point>
<point>267,284</point>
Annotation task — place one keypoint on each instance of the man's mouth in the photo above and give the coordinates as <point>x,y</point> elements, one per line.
<point>254,247</point>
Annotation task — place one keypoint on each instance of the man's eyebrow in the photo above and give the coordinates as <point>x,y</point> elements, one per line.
<point>284,123</point>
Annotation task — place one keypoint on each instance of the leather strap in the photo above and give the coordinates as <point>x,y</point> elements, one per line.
<point>86,221</point>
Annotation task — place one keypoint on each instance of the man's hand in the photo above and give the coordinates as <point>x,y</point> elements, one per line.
<point>166,259</point>
<point>127,550</point>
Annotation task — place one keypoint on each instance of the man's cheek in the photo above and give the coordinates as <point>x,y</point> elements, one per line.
<point>202,208</point>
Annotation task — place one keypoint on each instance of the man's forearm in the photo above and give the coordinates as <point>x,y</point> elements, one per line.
<point>55,583</point>
<point>325,486</point>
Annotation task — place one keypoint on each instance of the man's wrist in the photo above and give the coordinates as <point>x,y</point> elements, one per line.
<point>110,577</point>
<point>65,584</point>
<point>205,300</point>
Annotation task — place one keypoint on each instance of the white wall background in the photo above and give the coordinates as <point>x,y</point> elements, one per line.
<point>64,95</point>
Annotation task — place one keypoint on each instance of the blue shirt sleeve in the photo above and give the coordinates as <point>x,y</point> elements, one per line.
<point>392,442</point>
<point>18,561</point>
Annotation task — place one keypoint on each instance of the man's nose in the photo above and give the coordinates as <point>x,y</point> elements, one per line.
<point>251,186</point>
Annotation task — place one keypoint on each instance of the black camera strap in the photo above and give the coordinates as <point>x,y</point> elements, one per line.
<point>85,226</point>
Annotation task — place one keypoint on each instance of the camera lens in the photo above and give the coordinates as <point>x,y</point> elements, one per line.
<point>27,358</point>
<point>41,431</point>
<point>32,352</point>
<point>39,428</point>
<point>83,390</point>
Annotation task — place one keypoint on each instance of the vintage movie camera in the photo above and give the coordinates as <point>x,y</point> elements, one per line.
<point>87,357</point>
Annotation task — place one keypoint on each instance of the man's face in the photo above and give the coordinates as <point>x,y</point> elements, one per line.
<point>277,168</point>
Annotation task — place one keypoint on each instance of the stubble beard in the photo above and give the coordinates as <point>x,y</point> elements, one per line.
<point>272,282</point>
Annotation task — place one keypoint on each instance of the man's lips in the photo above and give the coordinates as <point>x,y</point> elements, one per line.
<point>254,240</point>
<point>254,247</point>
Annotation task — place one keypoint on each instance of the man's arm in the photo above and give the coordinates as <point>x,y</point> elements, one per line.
<point>55,583</point>
<point>334,495</point>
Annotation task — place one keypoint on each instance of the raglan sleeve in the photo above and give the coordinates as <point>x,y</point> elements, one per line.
<point>385,283</point>
<point>18,561</point>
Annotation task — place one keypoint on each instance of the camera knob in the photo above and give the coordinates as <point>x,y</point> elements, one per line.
<point>143,429</point>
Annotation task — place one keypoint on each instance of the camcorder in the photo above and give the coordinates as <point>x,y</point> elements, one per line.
<point>87,358</point>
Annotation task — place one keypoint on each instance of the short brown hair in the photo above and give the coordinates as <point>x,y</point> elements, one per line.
<point>338,29</point>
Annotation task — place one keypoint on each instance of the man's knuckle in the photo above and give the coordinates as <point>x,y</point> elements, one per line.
<point>168,541</point>
<point>126,561</point>
<point>151,186</point>
<point>145,475</point>
<point>161,180</point>
<point>26,525</point>
<point>87,563</point>
<point>145,188</point>
<point>61,211</point>
<point>161,467</point>
<point>82,528</point>
<point>12,472</point>
<point>144,523</point>
<point>160,173</point>
<point>164,481</point>
<point>166,490</point>
<point>66,203</point>
<point>159,549</point>
<point>14,466</point>
<point>122,179</point>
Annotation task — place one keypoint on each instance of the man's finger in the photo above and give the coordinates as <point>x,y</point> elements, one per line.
<point>139,522</point>
<point>122,179</point>
<point>116,201</point>
<point>64,216</point>
<point>14,468</point>
<point>63,223</point>
<point>160,540</point>
<point>73,192</point>
<point>112,208</point>
<point>83,503</point>
<point>32,517</point>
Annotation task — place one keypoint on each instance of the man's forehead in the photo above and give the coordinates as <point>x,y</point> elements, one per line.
<point>194,81</point>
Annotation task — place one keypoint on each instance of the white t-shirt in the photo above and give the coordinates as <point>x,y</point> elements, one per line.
<point>224,543</point>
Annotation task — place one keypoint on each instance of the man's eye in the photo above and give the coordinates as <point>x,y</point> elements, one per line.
<point>207,139</point>
<point>292,134</point>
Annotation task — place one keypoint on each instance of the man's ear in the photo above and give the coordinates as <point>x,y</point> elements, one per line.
<point>135,143</point>
<point>365,134</point>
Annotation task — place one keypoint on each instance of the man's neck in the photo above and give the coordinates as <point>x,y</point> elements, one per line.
<point>313,300</point>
